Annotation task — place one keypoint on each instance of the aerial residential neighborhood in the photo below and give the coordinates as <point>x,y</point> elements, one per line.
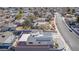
<point>39,28</point>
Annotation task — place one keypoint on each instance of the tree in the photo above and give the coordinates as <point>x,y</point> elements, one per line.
<point>49,18</point>
<point>68,10</point>
<point>36,13</point>
<point>20,14</point>
<point>27,22</point>
<point>21,11</point>
<point>78,19</point>
<point>73,10</point>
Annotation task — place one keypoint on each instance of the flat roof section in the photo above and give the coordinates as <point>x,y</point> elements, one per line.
<point>4,36</point>
<point>24,37</point>
<point>42,40</point>
<point>45,38</point>
<point>10,39</point>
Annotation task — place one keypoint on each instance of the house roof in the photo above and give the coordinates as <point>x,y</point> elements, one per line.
<point>4,36</point>
<point>41,39</point>
<point>10,39</point>
<point>40,20</point>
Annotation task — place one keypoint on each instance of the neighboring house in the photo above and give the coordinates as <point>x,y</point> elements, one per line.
<point>6,40</point>
<point>39,21</point>
<point>2,23</point>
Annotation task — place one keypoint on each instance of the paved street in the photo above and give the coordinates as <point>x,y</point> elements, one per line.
<point>69,37</point>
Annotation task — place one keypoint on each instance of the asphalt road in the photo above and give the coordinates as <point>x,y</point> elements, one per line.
<point>68,36</point>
